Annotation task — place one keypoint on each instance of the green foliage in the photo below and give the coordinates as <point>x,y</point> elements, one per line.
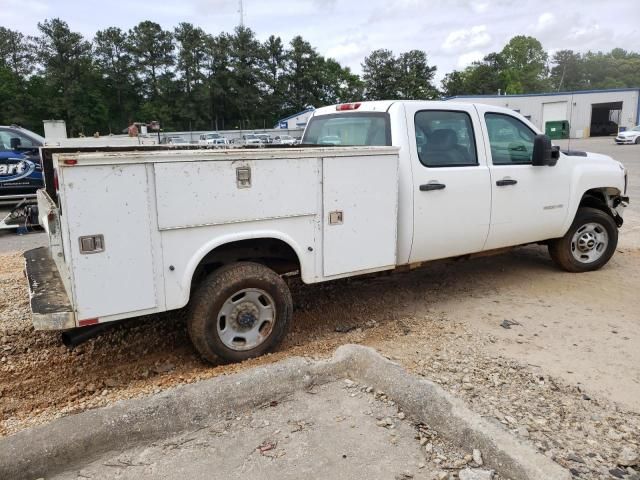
<point>407,76</point>
<point>189,79</point>
<point>523,67</point>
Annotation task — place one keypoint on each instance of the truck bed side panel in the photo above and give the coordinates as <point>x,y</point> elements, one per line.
<point>110,200</point>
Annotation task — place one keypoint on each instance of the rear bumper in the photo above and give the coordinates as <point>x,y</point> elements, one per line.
<point>50,305</point>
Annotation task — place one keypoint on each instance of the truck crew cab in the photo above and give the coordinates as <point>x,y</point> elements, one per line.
<point>374,186</point>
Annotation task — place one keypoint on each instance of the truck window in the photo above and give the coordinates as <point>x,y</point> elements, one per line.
<point>355,129</point>
<point>445,139</point>
<point>511,140</point>
<point>6,136</point>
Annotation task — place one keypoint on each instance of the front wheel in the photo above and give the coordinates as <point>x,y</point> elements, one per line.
<point>589,244</point>
<point>240,311</point>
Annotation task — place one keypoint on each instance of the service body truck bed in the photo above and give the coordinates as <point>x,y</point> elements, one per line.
<point>157,214</point>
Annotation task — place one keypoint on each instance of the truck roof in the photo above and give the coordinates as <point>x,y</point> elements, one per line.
<point>384,105</point>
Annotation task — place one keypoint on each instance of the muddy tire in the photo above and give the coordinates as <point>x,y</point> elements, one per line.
<point>240,311</point>
<point>589,244</point>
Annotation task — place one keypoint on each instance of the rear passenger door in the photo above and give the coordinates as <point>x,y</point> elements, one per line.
<point>452,189</point>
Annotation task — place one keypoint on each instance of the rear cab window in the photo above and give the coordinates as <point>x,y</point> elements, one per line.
<point>349,129</point>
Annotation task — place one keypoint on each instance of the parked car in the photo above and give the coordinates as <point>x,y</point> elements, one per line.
<point>20,175</point>
<point>629,136</point>
<point>284,140</point>
<point>177,140</point>
<point>221,142</point>
<point>208,138</point>
<point>213,140</point>
<point>248,139</point>
<point>265,138</point>
<point>135,243</point>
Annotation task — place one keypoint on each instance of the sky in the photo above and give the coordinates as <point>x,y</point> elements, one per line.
<point>454,33</point>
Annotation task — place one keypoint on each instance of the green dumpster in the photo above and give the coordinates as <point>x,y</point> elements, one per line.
<point>557,129</point>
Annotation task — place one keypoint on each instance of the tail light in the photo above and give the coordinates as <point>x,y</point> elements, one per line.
<point>56,183</point>
<point>347,106</point>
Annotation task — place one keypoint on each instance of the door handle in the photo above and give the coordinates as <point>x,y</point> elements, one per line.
<point>505,182</point>
<point>432,186</point>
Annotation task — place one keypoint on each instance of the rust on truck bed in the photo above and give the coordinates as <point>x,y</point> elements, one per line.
<point>50,305</point>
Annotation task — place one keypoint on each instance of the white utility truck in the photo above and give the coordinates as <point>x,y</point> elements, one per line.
<point>375,185</point>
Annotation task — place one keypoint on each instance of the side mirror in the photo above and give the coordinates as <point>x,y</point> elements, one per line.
<point>15,143</point>
<point>544,154</point>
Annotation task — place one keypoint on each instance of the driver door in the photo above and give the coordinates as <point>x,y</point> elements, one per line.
<point>528,203</point>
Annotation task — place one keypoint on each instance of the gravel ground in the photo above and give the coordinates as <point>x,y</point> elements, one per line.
<point>41,380</point>
<point>437,322</point>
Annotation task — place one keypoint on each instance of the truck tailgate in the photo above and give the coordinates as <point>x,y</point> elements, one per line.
<point>50,305</point>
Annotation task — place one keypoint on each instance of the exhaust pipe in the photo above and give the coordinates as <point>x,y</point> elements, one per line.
<point>77,336</point>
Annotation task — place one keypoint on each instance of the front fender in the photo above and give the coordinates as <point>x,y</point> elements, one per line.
<point>606,176</point>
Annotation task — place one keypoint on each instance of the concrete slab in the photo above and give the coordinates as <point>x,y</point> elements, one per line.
<point>331,431</point>
<point>141,427</point>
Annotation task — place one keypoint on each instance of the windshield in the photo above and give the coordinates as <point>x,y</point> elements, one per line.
<point>285,137</point>
<point>366,128</point>
<point>212,136</point>
<point>250,137</point>
<point>636,129</point>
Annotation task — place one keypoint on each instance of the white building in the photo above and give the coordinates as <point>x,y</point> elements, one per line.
<point>587,111</point>
<point>296,121</point>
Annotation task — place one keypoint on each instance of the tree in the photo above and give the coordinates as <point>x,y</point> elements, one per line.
<point>72,87</point>
<point>17,64</point>
<point>274,63</point>
<point>408,76</point>
<point>566,74</point>
<point>216,78</point>
<point>454,83</point>
<point>16,52</point>
<point>115,64</point>
<point>244,77</point>
<point>414,76</point>
<point>524,65</point>
<point>152,50</point>
<point>192,43</point>
<point>380,75</point>
<point>338,84</point>
<point>303,72</point>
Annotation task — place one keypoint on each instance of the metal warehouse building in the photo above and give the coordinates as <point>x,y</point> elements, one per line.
<point>296,121</point>
<point>588,112</point>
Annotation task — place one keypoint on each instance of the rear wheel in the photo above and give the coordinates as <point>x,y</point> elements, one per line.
<point>589,244</point>
<point>240,311</point>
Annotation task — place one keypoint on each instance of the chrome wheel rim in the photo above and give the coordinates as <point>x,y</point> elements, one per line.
<point>589,243</point>
<point>246,319</point>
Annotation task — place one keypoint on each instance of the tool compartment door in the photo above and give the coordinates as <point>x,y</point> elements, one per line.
<point>112,201</point>
<point>360,213</point>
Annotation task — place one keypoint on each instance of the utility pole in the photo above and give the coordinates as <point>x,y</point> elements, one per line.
<point>241,11</point>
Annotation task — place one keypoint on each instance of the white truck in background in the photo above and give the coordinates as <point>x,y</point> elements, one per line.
<point>375,185</point>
